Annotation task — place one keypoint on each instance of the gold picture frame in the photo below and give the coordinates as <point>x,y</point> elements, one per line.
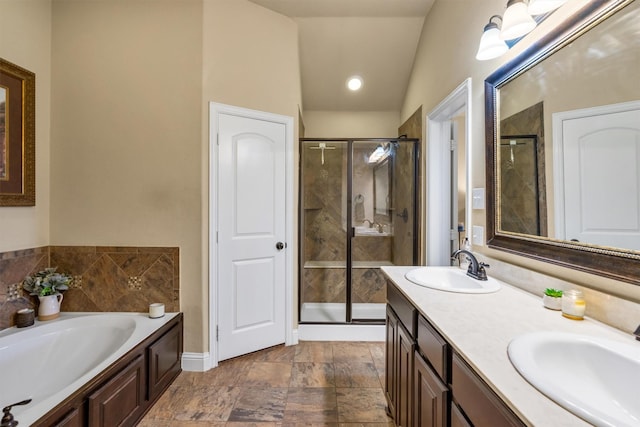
<point>17,135</point>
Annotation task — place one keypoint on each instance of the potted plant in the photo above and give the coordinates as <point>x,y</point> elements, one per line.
<point>47,285</point>
<point>552,299</point>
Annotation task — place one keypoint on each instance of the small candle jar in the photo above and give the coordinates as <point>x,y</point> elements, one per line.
<point>573,304</point>
<point>156,310</point>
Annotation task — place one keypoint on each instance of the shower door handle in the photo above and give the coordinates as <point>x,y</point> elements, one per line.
<point>280,246</point>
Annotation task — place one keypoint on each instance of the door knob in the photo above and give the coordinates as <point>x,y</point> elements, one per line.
<point>280,246</point>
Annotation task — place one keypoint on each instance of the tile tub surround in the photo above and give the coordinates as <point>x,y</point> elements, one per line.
<point>480,327</point>
<point>106,278</point>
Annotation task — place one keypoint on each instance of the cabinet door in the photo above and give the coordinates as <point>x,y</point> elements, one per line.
<point>457,419</point>
<point>121,401</point>
<point>390,374</point>
<point>164,361</point>
<point>479,403</point>
<point>406,347</point>
<point>430,396</point>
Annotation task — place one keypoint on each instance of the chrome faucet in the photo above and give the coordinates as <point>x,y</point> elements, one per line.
<point>369,221</point>
<point>476,269</point>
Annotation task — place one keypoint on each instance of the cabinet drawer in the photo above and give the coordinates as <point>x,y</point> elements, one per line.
<point>405,311</point>
<point>479,403</point>
<point>434,348</point>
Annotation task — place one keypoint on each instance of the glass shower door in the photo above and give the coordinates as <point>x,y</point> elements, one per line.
<point>323,219</point>
<point>383,196</point>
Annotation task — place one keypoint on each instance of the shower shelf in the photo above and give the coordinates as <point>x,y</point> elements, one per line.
<point>343,264</point>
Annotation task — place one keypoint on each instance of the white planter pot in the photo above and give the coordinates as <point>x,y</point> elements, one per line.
<point>552,303</point>
<point>49,308</point>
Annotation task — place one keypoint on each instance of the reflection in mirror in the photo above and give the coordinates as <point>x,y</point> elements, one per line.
<point>563,135</point>
<point>381,196</point>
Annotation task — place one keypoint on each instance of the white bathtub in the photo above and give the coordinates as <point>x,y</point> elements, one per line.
<point>47,362</point>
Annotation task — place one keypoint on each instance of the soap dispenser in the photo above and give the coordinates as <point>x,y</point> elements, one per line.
<point>464,259</point>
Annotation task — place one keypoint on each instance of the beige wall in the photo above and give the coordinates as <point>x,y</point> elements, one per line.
<point>25,40</point>
<point>126,132</point>
<point>351,124</point>
<point>430,84</point>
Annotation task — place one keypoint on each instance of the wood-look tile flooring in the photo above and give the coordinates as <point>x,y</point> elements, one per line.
<point>337,384</point>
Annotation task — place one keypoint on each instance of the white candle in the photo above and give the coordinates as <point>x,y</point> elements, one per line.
<point>156,310</point>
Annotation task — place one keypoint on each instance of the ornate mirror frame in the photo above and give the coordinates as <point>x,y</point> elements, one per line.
<point>615,264</point>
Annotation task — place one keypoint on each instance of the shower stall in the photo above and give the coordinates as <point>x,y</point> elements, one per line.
<point>358,210</point>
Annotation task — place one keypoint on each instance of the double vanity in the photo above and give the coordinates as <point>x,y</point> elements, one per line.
<point>465,353</point>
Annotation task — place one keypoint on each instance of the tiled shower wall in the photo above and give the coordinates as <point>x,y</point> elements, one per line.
<point>106,278</point>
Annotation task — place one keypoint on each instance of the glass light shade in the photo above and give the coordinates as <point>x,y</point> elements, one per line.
<point>516,21</point>
<point>540,7</point>
<point>491,45</point>
<point>354,83</point>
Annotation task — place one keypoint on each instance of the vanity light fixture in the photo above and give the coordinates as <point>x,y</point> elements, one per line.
<point>491,45</point>
<point>516,21</point>
<point>540,7</point>
<point>354,83</point>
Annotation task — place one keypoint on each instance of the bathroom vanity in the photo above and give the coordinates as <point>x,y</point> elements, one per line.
<point>122,393</point>
<point>447,361</point>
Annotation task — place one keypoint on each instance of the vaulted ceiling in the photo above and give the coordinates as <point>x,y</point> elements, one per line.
<point>375,39</point>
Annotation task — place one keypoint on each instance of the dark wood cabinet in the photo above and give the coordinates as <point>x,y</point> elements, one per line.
<point>121,401</point>
<point>400,346</point>
<point>390,365</point>
<point>457,418</point>
<point>164,361</point>
<point>126,390</point>
<point>405,349</point>
<point>477,401</point>
<point>430,396</point>
<point>429,385</point>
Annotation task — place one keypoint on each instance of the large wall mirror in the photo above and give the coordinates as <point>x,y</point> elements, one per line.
<point>563,145</point>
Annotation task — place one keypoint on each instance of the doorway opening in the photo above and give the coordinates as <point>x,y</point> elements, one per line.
<point>358,212</point>
<point>449,175</point>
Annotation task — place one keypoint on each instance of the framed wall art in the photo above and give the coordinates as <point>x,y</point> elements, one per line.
<point>17,136</point>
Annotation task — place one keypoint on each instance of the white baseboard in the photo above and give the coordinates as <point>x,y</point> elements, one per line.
<point>341,333</point>
<point>196,362</point>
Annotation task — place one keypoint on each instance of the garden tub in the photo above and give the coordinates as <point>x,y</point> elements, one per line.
<point>49,361</point>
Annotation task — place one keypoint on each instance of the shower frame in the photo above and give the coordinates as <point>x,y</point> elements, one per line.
<point>350,234</point>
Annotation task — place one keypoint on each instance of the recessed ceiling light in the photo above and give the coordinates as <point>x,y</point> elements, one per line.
<point>354,83</point>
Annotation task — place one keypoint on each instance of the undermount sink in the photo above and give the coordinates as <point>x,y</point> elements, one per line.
<point>451,279</point>
<point>594,378</point>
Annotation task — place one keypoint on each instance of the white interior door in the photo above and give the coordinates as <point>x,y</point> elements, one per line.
<point>601,161</point>
<point>251,234</point>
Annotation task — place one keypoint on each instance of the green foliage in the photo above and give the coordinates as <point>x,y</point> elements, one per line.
<point>47,282</point>
<point>555,293</point>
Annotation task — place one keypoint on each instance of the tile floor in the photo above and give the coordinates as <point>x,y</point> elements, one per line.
<point>337,384</point>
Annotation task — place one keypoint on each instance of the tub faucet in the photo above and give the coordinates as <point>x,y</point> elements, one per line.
<point>476,269</point>
<point>637,333</point>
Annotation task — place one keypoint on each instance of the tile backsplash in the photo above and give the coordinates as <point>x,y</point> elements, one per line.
<point>106,278</point>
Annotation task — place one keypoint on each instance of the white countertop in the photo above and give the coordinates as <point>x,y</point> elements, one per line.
<point>480,326</point>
